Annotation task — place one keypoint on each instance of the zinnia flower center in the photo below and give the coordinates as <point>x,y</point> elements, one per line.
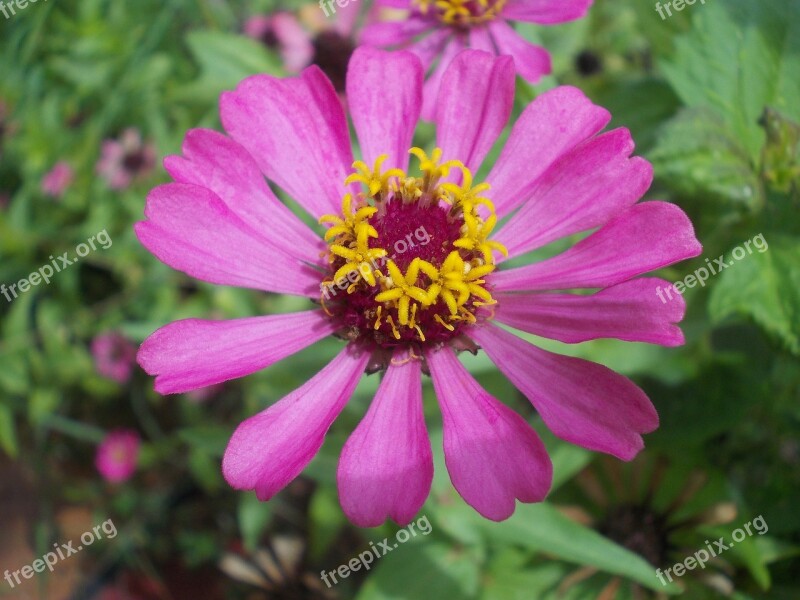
<point>408,256</point>
<point>461,13</point>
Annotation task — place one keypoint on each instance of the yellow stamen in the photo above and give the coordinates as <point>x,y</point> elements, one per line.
<point>377,183</point>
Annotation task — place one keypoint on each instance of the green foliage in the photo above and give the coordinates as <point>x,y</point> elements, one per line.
<point>712,98</point>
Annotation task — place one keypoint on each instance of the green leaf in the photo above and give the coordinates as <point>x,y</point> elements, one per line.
<point>508,579</point>
<point>8,432</point>
<point>254,516</point>
<point>423,570</point>
<point>780,162</point>
<point>699,157</point>
<point>764,286</point>
<point>211,439</point>
<point>225,59</point>
<point>739,57</point>
<point>327,520</point>
<point>543,528</point>
<point>691,413</point>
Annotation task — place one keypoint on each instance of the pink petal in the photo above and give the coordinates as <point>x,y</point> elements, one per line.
<point>386,466</point>
<point>270,449</point>
<point>297,49</point>
<point>546,12</point>
<point>296,131</point>
<point>481,39</point>
<point>630,311</point>
<point>214,161</point>
<point>431,46</point>
<point>395,3</point>
<point>384,90</point>
<point>430,92</point>
<point>392,33</point>
<point>533,62</point>
<point>551,126</point>
<point>493,456</point>
<point>647,236</point>
<point>194,353</point>
<point>475,101</point>
<point>192,230</point>
<point>580,401</point>
<point>345,21</point>
<point>584,190</point>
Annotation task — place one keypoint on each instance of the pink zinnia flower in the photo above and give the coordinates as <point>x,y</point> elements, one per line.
<point>58,179</point>
<point>408,275</point>
<point>309,38</point>
<point>117,455</point>
<point>125,160</point>
<point>114,356</point>
<point>437,30</point>
<point>282,31</point>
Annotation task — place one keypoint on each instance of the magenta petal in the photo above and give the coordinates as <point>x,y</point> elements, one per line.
<point>393,33</point>
<point>532,61</point>
<point>552,125</point>
<point>475,101</point>
<point>384,92</point>
<point>449,51</point>
<point>580,401</point>
<point>270,449</point>
<point>386,466</point>
<point>294,42</point>
<point>647,236</point>
<point>192,230</point>
<point>481,39</point>
<point>546,12</point>
<point>493,456</point>
<point>428,48</point>
<point>214,161</point>
<point>583,190</point>
<point>194,353</point>
<point>630,311</point>
<point>296,131</point>
<point>395,3</point>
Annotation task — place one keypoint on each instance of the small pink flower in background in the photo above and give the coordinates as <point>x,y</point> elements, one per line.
<point>58,179</point>
<point>117,455</point>
<point>308,37</point>
<point>5,199</point>
<point>283,32</point>
<point>114,356</point>
<point>410,272</point>
<point>126,159</point>
<point>437,30</point>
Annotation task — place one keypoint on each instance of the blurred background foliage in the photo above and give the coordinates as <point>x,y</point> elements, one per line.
<point>712,96</point>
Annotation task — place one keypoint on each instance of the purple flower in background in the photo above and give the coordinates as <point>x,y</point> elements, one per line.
<point>125,160</point>
<point>117,455</point>
<point>282,31</point>
<point>58,179</point>
<point>407,274</point>
<point>437,30</point>
<point>308,38</point>
<point>114,356</point>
